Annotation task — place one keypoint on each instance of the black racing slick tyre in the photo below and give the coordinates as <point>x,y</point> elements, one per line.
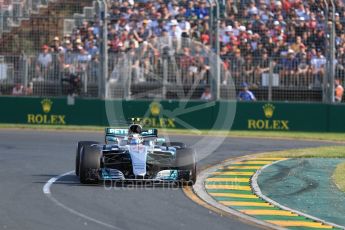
<point>175,144</point>
<point>186,160</point>
<point>90,163</point>
<point>77,155</point>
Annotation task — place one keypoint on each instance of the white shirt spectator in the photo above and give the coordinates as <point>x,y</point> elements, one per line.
<point>45,59</point>
<point>184,26</point>
<point>175,30</point>
<point>206,95</point>
<point>318,62</point>
<point>18,90</point>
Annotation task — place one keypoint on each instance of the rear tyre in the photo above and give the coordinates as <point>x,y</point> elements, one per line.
<point>180,145</point>
<point>77,155</point>
<point>186,160</point>
<point>90,163</point>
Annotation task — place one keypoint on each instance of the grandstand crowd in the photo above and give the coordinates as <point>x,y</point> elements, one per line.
<point>289,36</point>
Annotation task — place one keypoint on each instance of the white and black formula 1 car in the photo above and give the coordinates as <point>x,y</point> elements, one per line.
<point>135,154</point>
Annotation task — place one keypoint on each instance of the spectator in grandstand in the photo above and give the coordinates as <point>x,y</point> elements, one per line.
<point>83,58</point>
<point>175,31</point>
<point>296,47</point>
<point>317,64</point>
<point>206,95</point>
<point>29,89</point>
<point>246,94</point>
<point>236,66</point>
<point>94,68</point>
<point>303,71</point>
<point>339,91</point>
<point>289,70</point>
<point>55,45</point>
<point>142,33</point>
<point>91,48</point>
<point>67,59</point>
<point>134,63</point>
<point>262,67</point>
<point>202,11</point>
<point>18,90</point>
<point>188,69</point>
<point>248,70</point>
<point>201,62</point>
<point>44,63</point>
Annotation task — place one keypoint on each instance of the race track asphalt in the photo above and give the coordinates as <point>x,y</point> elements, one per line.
<point>29,158</point>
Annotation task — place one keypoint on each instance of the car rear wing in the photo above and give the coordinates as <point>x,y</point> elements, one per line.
<point>115,132</point>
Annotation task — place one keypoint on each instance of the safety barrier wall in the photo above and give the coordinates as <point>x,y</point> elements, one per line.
<point>175,114</point>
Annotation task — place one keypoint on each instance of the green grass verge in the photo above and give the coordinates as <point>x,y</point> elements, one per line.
<point>322,152</point>
<point>338,137</point>
<point>339,176</point>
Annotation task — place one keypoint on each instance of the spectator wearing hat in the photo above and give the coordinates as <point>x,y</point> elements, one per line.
<point>246,94</point>
<point>289,69</point>
<point>68,59</point>
<point>56,44</point>
<point>226,37</point>
<point>175,31</point>
<point>44,63</point>
<point>303,70</point>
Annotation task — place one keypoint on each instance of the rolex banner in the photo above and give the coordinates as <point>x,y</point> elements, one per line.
<point>192,115</point>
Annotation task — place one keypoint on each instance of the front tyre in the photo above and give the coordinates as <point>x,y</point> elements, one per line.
<point>186,162</point>
<point>90,163</point>
<point>81,144</point>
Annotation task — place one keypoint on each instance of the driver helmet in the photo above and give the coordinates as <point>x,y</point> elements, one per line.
<point>134,129</point>
<point>135,140</point>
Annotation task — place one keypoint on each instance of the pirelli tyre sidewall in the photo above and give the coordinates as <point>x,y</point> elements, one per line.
<point>186,160</point>
<point>89,164</point>
<point>77,155</point>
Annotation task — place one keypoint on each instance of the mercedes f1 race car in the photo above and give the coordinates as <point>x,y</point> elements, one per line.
<point>135,154</point>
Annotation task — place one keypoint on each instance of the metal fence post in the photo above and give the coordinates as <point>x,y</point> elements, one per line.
<point>165,78</point>
<point>25,69</point>
<point>325,80</point>
<point>270,80</point>
<point>332,55</point>
<point>217,54</point>
<point>102,88</point>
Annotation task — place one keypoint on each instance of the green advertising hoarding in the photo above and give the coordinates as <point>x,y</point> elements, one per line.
<point>193,115</point>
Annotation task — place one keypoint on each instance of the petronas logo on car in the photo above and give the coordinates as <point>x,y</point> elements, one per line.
<point>46,119</point>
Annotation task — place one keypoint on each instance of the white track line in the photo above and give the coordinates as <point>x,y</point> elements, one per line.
<point>47,192</point>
